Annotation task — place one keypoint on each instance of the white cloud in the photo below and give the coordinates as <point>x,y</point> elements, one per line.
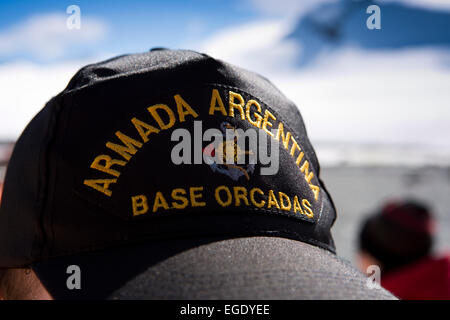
<point>254,45</point>
<point>378,98</point>
<point>47,36</point>
<point>26,87</point>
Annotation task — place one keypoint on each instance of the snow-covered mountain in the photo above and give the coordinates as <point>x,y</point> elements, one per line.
<point>339,24</point>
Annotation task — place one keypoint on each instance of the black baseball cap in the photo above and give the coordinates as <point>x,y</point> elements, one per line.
<point>92,182</point>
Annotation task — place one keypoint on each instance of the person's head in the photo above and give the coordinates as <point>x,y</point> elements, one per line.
<point>399,234</point>
<point>125,186</point>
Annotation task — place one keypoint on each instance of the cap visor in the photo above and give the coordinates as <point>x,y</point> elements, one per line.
<point>209,268</point>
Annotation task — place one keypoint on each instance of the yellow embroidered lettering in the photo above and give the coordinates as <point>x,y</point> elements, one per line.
<point>160,202</point>
<point>280,133</point>
<point>216,99</point>
<point>315,189</point>
<point>240,193</point>
<point>219,199</point>
<point>305,170</point>
<point>144,129</point>
<point>297,206</point>
<point>101,185</point>
<point>299,158</point>
<point>233,105</point>
<point>194,196</point>
<point>139,204</point>
<point>184,108</point>
<point>294,146</point>
<point>252,198</point>
<point>108,163</point>
<point>272,200</point>
<point>266,122</point>
<point>284,197</point>
<point>157,117</point>
<point>257,122</point>
<point>307,207</point>
<point>179,194</point>
<point>128,149</point>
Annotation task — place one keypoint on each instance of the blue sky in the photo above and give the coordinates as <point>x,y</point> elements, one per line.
<point>35,30</point>
<point>131,26</point>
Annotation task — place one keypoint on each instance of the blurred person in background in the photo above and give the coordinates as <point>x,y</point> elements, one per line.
<point>399,239</point>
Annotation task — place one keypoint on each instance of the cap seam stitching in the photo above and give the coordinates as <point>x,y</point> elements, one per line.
<point>104,245</point>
